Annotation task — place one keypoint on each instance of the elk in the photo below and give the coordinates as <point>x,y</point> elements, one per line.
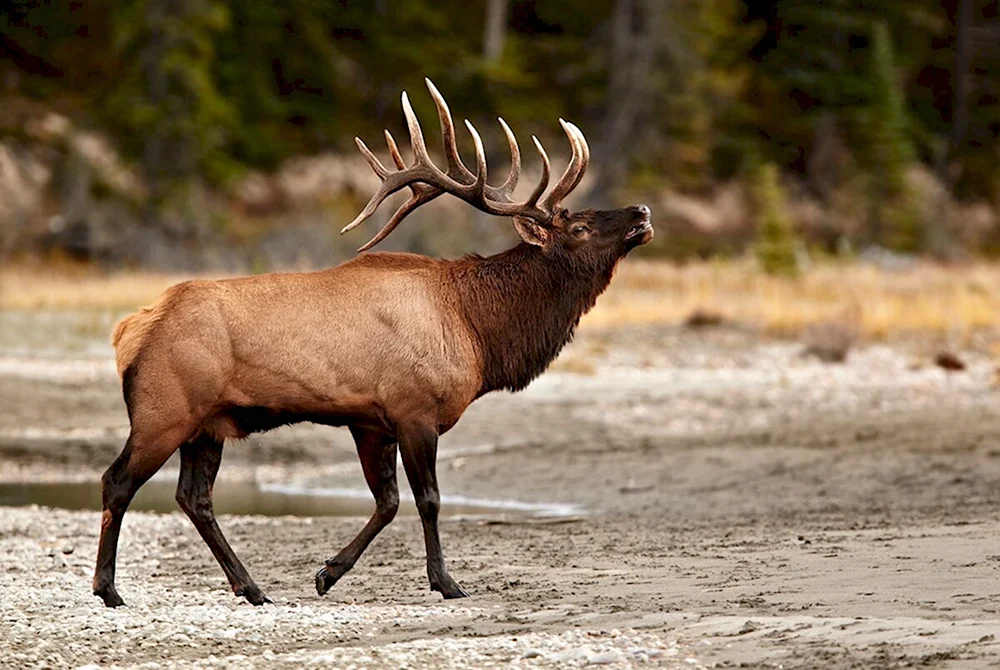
<point>394,346</point>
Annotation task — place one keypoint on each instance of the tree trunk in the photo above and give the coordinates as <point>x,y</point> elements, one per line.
<point>170,151</point>
<point>495,32</point>
<point>963,54</point>
<point>628,74</point>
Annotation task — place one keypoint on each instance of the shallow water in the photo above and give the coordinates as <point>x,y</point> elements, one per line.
<point>250,498</point>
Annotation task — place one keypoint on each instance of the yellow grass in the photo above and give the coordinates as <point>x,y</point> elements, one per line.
<point>74,288</point>
<point>878,303</point>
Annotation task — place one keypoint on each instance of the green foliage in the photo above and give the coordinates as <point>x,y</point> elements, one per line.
<point>201,90</point>
<point>889,151</point>
<point>167,108</point>
<point>776,240</point>
<point>821,65</point>
<point>701,84</point>
<point>205,87</point>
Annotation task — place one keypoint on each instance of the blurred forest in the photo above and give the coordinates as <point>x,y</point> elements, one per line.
<point>184,134</point>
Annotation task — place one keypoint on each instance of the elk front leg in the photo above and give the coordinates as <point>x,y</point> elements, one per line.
<point>377,453</point>
<point>419,450</point>
<point>200,462</point>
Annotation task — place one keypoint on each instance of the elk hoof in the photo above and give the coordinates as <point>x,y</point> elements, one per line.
<point>325,579</point>
<point>324,582</point>
<point>329,575</point>
<point>458,592</point>
<point>450,590</point>
<point>253,595</point>
<point>110,596</point>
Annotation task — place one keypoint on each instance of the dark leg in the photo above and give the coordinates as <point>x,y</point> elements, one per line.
<point>200,462</point>
<point>133,467</point>
<point>378,459</point>
<point>419,450</point>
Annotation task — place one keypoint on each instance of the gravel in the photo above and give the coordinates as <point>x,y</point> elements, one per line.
<point>49,619</point>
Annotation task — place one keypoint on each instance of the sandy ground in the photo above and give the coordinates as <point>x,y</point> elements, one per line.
<point>731,504</point>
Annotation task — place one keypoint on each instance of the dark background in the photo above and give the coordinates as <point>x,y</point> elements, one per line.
<point>194,133</point>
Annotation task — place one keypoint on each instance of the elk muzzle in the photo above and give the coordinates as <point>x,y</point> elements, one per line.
<point>641,230</point>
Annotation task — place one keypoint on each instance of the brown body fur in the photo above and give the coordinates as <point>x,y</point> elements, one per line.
<point>328,346</point>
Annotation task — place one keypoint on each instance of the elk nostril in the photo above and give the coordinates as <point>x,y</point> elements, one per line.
<point>642,210</point>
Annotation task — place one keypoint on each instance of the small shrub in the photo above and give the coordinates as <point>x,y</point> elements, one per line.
<point>776,241</point>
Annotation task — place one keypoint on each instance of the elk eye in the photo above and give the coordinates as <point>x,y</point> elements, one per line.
<point>579,231</point>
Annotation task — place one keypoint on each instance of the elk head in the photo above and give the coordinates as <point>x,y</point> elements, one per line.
<point>589,238</point>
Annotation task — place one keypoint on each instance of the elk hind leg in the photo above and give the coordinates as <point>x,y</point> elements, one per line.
<point>138,461</point>
<point>377,453</point>
<point>419,450</point>
<point>200,460</point>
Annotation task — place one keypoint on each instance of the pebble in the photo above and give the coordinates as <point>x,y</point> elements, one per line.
<point>606,657</point>
<point>578,654</point>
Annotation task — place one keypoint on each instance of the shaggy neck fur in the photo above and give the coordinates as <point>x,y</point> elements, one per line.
<point>523,306</point>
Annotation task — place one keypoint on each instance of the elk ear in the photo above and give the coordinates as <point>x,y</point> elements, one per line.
<point>531,232</point>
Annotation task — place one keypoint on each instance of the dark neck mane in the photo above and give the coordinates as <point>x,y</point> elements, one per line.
<point>523,306</point>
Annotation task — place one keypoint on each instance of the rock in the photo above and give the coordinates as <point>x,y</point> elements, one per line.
<point>704,318</point>
<point>570,655</point>
<point>605,657</point>
<point>949,361</point>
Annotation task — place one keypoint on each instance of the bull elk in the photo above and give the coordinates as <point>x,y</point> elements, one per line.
<point>394,346</point>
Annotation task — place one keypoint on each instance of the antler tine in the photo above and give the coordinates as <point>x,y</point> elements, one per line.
<point>372,158</point>
<point>479,187</point>
<point>543,182</point>
<point>456,168</point>
<point>585,155</point>
<point>569,177</point>
<point>381,194</point>
<point>420,156</point>
<point>397,157</point>
<point>417,199</point>
<point>507,188</point>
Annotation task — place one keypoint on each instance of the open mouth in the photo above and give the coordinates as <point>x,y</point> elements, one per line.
<point>639,230</point>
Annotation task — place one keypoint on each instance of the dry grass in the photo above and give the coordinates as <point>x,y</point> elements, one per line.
<point>71,287</point>
<point>925,298</point>
<point>878,303</point>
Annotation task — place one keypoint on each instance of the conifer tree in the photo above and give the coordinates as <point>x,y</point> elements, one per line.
<point>891,153</point>
<point>775,247</point>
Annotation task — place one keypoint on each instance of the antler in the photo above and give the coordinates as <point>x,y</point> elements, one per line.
<point>427,181</point>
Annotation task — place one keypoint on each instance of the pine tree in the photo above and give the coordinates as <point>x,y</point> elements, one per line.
<point>167,103</point>
<point>775,247</point>
<point>891,152</point>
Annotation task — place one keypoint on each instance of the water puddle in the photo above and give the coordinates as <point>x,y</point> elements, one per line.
<point>266,500</point>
